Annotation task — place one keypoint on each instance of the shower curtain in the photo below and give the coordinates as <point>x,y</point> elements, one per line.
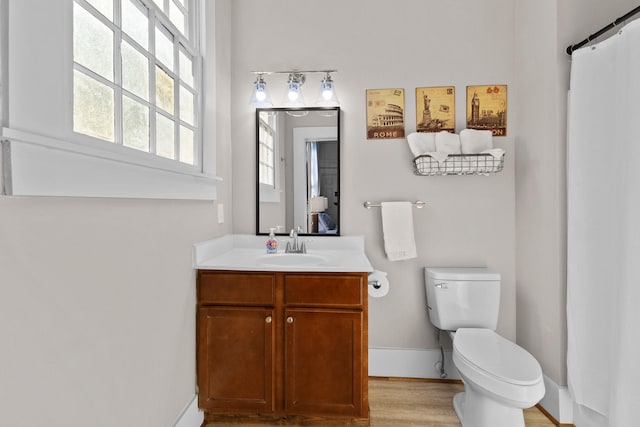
<point>603,259</point>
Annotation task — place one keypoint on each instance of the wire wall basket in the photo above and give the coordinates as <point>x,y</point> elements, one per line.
<point>459,164</point>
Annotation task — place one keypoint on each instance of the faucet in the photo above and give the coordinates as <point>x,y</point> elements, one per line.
<point>298,247</point>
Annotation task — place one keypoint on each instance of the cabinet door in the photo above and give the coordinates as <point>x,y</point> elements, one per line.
<point>323,362</point>
<point>235,359</point>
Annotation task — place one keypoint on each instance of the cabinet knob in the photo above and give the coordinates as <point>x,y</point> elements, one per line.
<point>268,319</point>
<point>289,319</point>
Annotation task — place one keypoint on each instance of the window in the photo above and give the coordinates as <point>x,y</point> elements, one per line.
<point>267,132</point>
<point>108,114</point>
<point>133,76</point>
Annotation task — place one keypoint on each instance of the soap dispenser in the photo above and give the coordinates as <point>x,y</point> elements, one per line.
<point>272,243</point>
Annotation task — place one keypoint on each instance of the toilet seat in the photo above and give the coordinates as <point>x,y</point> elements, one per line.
<point>496,356</point>
<point>502,368</point>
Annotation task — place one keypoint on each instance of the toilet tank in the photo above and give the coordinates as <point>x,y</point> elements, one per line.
<point>462,297</point>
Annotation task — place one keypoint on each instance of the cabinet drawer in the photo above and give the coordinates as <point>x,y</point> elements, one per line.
<point>324,290</point>
<point>236,288</point>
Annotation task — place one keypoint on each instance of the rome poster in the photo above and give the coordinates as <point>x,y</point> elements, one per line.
<point>435,109</point>
<point>487,108</point>
<point>385,113</point>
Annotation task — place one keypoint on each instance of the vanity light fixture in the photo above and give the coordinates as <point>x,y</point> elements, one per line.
<point>260,97</point>
<point>293,97</point>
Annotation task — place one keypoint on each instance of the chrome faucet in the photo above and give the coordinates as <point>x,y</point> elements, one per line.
<point>298,247</point>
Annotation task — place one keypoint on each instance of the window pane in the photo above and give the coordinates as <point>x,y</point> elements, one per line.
<point>92,43</point>
<point>164,48</point>
<point>164,90</point>
<point>93,107</point>
<point>160,3</point>
<point>176,16</point>
<point>186,68</point>
<point>135,22</point>
<point>164,137</point>
<point>186,145</point>
<point>135,71</point>
<point>104,6</point>
<point>135,124</point>
<point>186,105</point>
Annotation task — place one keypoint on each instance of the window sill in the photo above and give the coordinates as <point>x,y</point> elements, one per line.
<point>269,194</point>
<point>35,165</point>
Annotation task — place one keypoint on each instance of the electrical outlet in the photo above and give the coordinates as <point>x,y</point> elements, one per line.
<point>220,213</point>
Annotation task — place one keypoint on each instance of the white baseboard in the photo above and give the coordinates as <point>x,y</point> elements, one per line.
<point>409,363</point>
<point>557,401</point>
<point>191,415</point>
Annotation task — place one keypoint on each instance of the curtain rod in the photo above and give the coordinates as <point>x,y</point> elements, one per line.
<point>600,32</point>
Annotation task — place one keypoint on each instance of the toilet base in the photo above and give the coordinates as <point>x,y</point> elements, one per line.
<point>475,409</point>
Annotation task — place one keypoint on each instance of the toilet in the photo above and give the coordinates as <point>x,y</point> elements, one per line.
<point>500,378</point>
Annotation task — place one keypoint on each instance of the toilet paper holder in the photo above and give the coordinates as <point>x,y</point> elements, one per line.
<point>376,284</point>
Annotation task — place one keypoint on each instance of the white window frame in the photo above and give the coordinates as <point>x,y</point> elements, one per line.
<point>46,158</point>
<point>271,193</point>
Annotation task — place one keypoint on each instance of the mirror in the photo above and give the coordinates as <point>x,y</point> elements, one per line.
<point>298,170</point>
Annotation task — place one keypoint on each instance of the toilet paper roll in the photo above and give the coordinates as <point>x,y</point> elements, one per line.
<point>378,284</point>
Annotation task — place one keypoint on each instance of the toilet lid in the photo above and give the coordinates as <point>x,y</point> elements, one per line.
<point>488,352</point>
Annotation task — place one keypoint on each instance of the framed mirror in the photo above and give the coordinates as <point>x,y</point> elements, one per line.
<point>298,170</point>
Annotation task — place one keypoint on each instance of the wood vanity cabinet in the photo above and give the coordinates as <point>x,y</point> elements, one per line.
<point>282,345</point>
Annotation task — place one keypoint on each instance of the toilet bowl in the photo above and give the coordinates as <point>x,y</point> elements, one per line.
<point>500,379</point>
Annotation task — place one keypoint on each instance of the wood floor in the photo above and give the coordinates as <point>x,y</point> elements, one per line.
<point>406,403</point>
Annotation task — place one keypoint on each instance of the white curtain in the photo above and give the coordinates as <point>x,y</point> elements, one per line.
<point>603,260</point>
<point>314,182</point>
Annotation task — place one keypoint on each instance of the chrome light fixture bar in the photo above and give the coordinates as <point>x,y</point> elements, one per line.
<point>294,98</point>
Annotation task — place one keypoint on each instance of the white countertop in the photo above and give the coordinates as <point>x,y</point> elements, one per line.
<point>248,253</point>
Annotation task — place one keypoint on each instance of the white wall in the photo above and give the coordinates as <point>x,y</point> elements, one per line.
<point>97,296</point>
<point>380,44</point>
<point>540,188</point>
<point>543,31</point>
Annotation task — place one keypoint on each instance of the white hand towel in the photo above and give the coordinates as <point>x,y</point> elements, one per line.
<point>448,142</point>
<point>397,230</point>
<point>421,143</point>
<point>474,141</point>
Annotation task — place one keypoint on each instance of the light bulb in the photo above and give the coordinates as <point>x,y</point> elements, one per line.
<point>327,94</point>
<point>294,91</point>
<point>261,96</point>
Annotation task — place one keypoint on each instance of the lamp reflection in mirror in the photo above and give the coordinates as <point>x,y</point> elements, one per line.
<point>260,96</point>
<point>318,204</point>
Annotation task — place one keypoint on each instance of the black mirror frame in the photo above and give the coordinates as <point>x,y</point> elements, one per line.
<point>257,165</point>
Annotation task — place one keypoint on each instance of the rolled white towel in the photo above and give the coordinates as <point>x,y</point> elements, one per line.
<point>421,143</point>
<point>491,166</point>
<point>495,152</point>
<point>475,141</point>
<point>439,156</point>
<point>447,142</point>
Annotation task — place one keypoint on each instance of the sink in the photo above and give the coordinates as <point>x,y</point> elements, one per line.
<point>293,260</point>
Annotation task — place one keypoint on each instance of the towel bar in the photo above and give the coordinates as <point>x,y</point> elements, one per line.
<point>417,204</point>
